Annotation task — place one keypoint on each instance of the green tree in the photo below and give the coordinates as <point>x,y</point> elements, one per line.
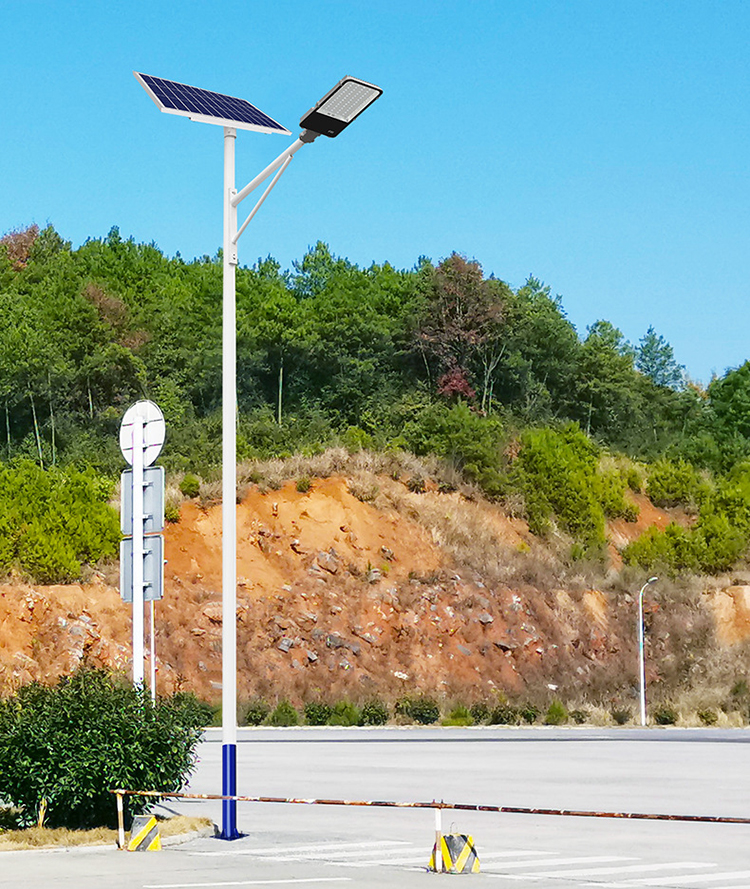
<point>654,358</point>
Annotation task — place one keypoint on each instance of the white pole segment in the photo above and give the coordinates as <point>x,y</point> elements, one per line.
<point>229,500</point>
<point>153,653</point>
<point>642,655</point>
<point>138,551</point>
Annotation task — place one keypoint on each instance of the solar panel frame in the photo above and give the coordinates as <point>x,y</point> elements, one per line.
<point>207,106</point>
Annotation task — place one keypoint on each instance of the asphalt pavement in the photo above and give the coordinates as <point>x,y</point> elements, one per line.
<point>665,771</point>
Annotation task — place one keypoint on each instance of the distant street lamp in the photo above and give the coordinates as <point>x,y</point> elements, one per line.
<point>641,653</point>
<point>332,114</point>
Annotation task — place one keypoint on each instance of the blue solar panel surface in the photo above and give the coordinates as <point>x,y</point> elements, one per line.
<point>193,100</point>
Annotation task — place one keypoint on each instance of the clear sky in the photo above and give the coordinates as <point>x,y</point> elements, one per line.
<point>601,145</point>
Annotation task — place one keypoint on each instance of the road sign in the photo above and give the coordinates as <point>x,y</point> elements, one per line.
<point>153,568</point>
<point>153,431</point>
<point>153,501</point>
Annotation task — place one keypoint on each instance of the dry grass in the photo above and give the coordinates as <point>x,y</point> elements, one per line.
<point>61,837</point>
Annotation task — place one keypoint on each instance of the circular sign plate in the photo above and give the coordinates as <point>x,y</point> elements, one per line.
<point>153,431</point>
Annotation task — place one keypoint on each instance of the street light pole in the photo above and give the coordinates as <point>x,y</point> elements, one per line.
<point>330,116</point>
<point>229,500</point>
<point>641,652</point>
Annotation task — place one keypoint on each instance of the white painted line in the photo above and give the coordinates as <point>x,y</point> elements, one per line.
<point>326,855</point>
<point>425,856</point>
<point>702,878</point>
<point>244,883</point>
<point>624,869</point>
<point>281,850</point>
<point>589,859</point>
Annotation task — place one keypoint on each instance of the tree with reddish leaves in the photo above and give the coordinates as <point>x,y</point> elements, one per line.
<point>461,332</point>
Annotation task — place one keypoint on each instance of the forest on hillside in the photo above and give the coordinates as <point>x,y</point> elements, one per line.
<point>437,359</point>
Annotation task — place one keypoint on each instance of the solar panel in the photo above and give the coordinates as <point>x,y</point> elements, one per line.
<point>208,107</point>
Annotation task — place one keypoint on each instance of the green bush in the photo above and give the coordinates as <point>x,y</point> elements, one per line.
<point>257,712</point>
<point>505,714</point>
<point>579,716</point>
<point>53,521</point>
<point>480,712</point>
<point>374,712</point>
<point>191,709</point>
<point>529,713</point>
<point>423,710</point>
<point>471,443</point>
<point>708,717</point>
<point>190,485</point>
<point>344,713</point>
<point>71,743</point>
<point>621,715</point>
<point>665,715</point>
<point>672,482</point>
<point>556,471</point>
<point>317,713</point>
<point>303,484</point>
<point>284,714</point>
<point>557,713</point>
<point>459,715</point>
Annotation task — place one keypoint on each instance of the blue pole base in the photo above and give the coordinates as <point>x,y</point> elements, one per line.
<point>229,788</point>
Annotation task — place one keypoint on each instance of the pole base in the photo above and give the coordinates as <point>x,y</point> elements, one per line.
<point>229,788</point>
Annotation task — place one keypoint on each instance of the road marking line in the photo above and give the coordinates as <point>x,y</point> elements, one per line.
<point>701,878</point>
<point>276,850</point>
<point>245,883</point>
<point>629,868</point>
<point>400,860</point>
<point>325,855</point>
<point>593,859</point>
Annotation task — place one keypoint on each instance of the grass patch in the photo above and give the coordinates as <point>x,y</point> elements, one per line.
<point>61,837</point>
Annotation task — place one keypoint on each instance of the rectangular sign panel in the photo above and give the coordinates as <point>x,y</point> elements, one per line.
<point>153,500</point>
<point>153,568</point>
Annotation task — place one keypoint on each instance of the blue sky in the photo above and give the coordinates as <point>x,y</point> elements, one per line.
<point>601,146</point>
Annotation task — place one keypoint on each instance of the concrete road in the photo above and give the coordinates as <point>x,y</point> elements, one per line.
<point>671,771</point>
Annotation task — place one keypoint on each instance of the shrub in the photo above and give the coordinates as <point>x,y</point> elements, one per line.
<point>344,713</point>
<point>423,710</point>
<point>529,713</point>
<point>53,521</point>
<point>557,713</point>
<point>317,713</point>
<point>284,714</point>
<point>191,709</point>
<point>480,712</point>
<point>708,717</point>
<point>579,716</point>
<point>257,712</point>
<point>374,712</point>
<point>69,744</point>
<point>505,714</point>
<point>556,470</point>
<point>416,484</point>
<point>621,716</point>
<point>304,484</point>
<point>459,715</point>
<point>190,485</point>
<point>672,482</point>
<point>665,715</point>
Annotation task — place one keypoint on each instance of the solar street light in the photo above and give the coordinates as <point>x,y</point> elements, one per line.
<point>340,106</point>
<point>641,653</point>
<point>335,111</point>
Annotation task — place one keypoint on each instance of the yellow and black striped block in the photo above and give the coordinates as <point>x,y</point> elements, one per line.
<point>144,834</point>
<point>458,855</point>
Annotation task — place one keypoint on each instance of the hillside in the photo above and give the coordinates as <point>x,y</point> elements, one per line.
<point>344,598</point>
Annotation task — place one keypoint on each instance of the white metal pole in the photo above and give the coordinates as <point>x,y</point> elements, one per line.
<point>153,653</point>
<point>138,551</point>
<point>229,497</point>
<point>641,655</point>
<point>641,650</point>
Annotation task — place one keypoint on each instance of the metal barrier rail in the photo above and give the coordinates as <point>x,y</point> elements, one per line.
<point>435,804</point>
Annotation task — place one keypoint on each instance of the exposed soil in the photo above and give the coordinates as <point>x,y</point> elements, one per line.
<point>336,598</point>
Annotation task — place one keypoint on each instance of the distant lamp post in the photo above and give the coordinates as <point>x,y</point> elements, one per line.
<point>332,114</point>
<point>641,653</point>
